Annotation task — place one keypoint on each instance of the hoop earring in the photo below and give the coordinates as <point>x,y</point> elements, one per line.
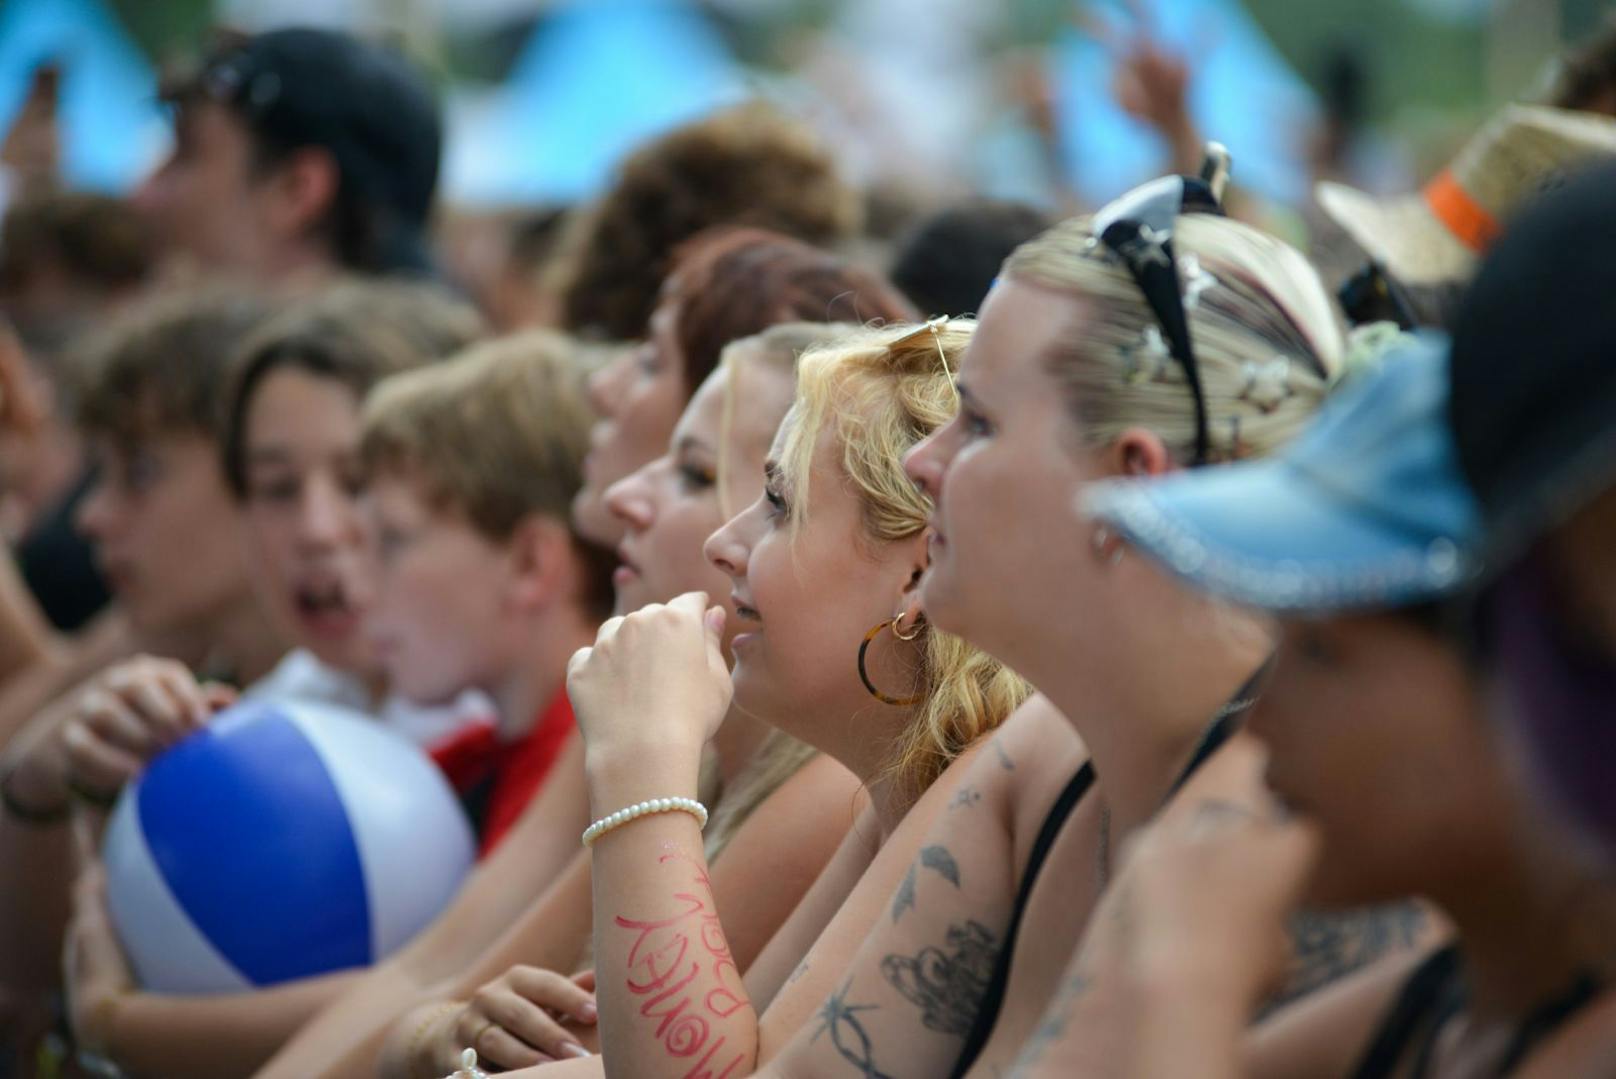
<point>864,674</point>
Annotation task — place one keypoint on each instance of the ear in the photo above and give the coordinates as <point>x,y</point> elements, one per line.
<point>539,557</point>
<point>1137,451</point>
<point>917,558</point>
<point>303,189</point>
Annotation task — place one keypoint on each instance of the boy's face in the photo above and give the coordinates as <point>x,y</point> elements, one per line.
<point>438,619</point>
<point>166,531</point>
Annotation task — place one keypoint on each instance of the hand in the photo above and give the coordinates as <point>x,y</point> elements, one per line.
<point>513,1020</point>
<point>654,682</point>
<point>1149,81</point>
<point>1205,893</point>
<point>130,713</point>
<point>95,972</point>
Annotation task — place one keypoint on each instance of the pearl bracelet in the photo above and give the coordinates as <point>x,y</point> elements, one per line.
<point>642,809</point>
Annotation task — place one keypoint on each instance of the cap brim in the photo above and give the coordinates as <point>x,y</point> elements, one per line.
<point>1401,233</point>
<point>1264,535</point>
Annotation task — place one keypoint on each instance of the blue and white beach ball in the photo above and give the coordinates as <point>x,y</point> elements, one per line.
<point>279,842</point>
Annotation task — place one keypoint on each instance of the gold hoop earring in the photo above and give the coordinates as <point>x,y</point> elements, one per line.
<point>864,674</point>
<point>897,620</point>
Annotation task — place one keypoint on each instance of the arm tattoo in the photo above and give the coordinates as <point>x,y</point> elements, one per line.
<point>667,957</point>
<point>847,1034</point>
<point>965,798</point>
<point>947,984</point>
<point>1004,758</point>
<point>938,860</point>
<point>905,899</point>
<point>1330,946</point>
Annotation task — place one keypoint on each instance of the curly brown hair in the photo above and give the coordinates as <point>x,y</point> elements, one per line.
<point>747,165</point>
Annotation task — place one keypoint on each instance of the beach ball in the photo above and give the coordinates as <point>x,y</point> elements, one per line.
<point>281,841</point>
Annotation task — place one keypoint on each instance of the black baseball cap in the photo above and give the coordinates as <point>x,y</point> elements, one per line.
<point>365,103</point>
<point>1532,405</point>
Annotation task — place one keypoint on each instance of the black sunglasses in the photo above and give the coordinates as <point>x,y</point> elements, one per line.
<point>1138,229</point>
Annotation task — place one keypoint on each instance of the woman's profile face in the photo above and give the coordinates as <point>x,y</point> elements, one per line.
<point>804,597</point>
<point>1010,558</point>
<point>305,529</point>
<point>669,507</point>
<point>638,397</point>
<point>1375,731</point>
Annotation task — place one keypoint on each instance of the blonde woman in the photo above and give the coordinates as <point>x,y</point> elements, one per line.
<point>835,546</point>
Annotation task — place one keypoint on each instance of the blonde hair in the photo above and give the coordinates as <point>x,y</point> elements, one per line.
<point>1266,337</point>
<point>880,392</point>
<point>779,346</point>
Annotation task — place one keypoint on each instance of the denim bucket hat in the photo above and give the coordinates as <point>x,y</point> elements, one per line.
<point>1366,509</point>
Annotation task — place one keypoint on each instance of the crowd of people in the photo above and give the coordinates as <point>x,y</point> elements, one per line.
<point>1100,646</point>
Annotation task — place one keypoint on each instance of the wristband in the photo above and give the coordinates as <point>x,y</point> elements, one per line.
<point>644,809</point>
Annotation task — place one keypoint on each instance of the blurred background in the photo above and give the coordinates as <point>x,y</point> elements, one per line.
<point>1047,101</point>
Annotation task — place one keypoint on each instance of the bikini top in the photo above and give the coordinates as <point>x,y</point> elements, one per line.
<point>987,1013</point>
<point>1432,995</point>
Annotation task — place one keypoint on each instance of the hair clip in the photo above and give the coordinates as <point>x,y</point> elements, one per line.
<point>1150,360</point>
<point>1268,384</point>
<point>1196,280</point>
<point>1147,246</point>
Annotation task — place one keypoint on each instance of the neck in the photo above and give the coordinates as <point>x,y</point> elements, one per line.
<point>872,731</point>
<point>1141,727</point>
<point>538,671</point>
<point>737,742</point>
<point>1526,932</point>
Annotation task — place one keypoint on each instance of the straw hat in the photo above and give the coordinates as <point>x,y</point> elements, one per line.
<point>1438,234</point>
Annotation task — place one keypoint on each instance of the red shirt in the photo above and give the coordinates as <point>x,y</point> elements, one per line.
<point>497,780</point>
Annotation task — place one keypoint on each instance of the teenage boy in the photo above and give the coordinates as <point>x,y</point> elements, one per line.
<point>482,582</point>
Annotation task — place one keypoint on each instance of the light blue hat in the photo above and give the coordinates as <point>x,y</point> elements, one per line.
<point>1366,509</point>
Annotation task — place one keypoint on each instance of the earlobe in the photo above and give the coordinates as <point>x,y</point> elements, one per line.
<point>1139,452</point>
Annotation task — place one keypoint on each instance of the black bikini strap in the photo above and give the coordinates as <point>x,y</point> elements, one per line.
<point>1421,991</point>
<point>987,1012</point>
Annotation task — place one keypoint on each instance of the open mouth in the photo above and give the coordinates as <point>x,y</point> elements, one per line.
<point>325,607</point>
<point>744,611</point>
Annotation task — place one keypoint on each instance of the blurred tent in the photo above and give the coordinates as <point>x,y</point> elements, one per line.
<point>594,80</point>
<point>1242,93</point>
<point>110,125</point>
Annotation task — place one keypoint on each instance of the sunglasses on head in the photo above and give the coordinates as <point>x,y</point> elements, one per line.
<point>1138,229</point>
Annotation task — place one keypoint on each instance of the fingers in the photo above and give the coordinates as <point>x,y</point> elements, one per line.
<point>522,1030</point>
<point>550,990</point>
<point>585,979</point>
<point>97,764</point>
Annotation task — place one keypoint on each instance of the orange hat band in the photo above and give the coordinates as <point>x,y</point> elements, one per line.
<point>1472,225</point>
